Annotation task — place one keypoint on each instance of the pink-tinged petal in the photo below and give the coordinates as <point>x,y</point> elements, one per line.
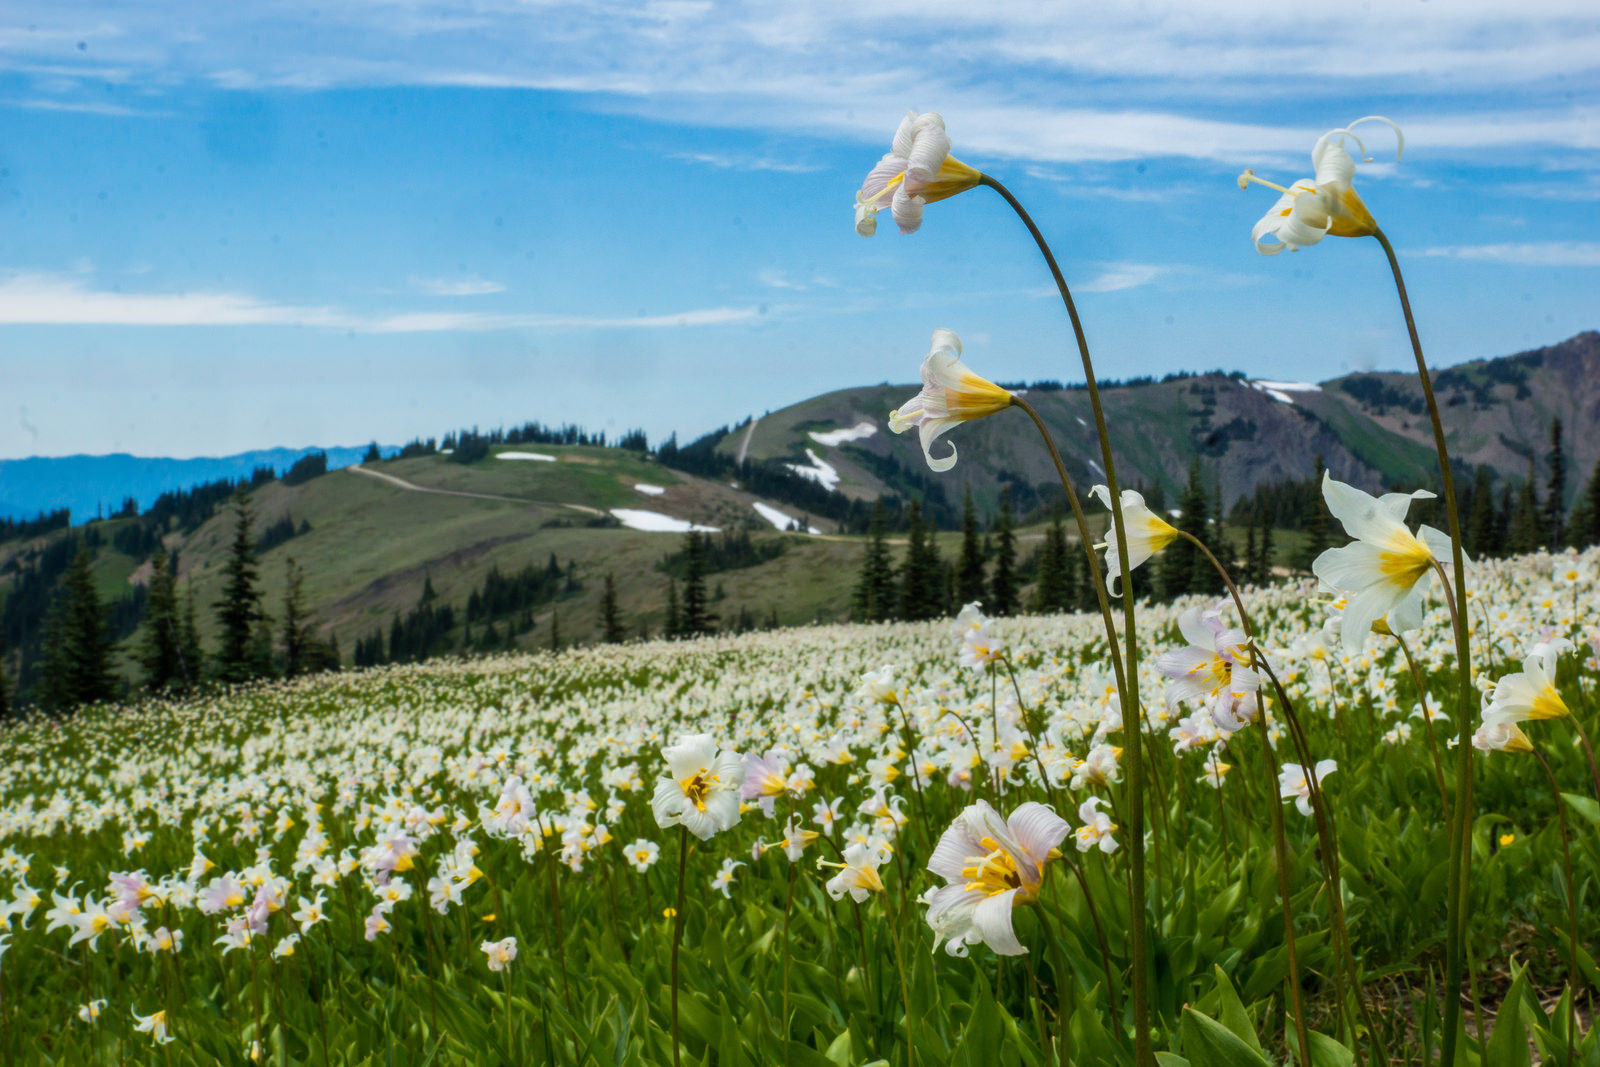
<point>905,134</point>
<point>907,210</point>
<point>955,848</point>
<point>991,921</point>
<point>1037,829</point>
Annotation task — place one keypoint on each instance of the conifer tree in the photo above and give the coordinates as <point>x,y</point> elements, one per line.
<point>1264,554</point>
<point>922,588</point>
<point>77,656</point>
<point>297,638</point>
<point>1250,549</point>
<point>191,656</point>
<point>1051,592</point>
<point>1583,528</point>
<point>1316,525</point>
<point>240,606</point>
<point>1004,588</point>
<point>1480,539</point>
<point>672,625</point>
<point>969,577</point>
<point>1180,563</point>
<point>261,647</point>
<point>5,689</point>
<point>876,597</point>
<point>161,651</point>
<point>1555,488</point>
<point>610,617</point>
<point>696,616</point>
<point>1527,517</point>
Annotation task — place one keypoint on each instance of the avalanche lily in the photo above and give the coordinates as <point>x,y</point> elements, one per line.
<point>1314,208</point>
<point>1148,533</point>
<point>1385,572</point>
<point>918,170</point>
<point>701,789</point>
<point>990,865</point>
<point>1530,694</point>
<point>1294,785</point>
<point>951,394</point>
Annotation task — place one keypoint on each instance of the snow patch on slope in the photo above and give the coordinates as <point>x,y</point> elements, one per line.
<point>525,455</point>
<point>1280,391</point>
<point>655,522</point>
<point>780,520</point>
<point>834,438</point>
<point>824,474</point>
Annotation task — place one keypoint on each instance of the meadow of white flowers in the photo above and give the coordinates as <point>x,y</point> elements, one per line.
<point>479,861</point>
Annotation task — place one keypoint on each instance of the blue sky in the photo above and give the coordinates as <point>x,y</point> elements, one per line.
<point>231,226</point>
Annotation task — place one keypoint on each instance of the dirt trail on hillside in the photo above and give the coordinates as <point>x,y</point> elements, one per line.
<point>401,483</point>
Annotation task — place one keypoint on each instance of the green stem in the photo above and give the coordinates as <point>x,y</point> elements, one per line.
<point>677,932</point>
<point>1460,853</point>
<point>1132,713</point>
<point>1572,909</point>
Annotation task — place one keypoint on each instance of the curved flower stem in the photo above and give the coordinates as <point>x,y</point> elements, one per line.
<point>1572,907</point>
<point>677,932</point>
<point>1427,723</point>
<point>1132,713</point>
<point>1280,848</point>
<point>1326,833</point>
<point>1084,536</point>
<point>1461,854</point>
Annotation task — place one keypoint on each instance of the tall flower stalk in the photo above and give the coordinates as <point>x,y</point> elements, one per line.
<point>1305,213</point>
<point>1460,847</point>
<point>1128,678</point>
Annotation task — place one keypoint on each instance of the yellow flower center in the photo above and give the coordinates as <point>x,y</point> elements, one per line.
<point>1404,560</point>
<point>1547,704</point>
<point>696,786</point>
<point>995,872</point>
<point>976,397</point>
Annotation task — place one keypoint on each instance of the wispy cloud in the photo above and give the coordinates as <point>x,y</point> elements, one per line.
<point>1118,276</point>
<point>730,161</point>
<point>1169,78</point>
<point>86,107</point>
<point>56,300</point>
<point>1525,254</point>
<point>472,285</point>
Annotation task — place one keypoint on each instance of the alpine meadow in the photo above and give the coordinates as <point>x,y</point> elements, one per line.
<point>1029,714</point>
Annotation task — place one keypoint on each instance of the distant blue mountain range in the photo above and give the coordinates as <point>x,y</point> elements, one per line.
<point>90,485</point>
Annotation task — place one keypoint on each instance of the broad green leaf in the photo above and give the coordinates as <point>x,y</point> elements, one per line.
<point>1207,1043</point>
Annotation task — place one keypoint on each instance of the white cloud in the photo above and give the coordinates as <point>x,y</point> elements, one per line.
<point>1118,276</point>
<point>1165,77</point>
<point>472,285</point>
<point>731,161</point>
<point>1525,254</point>
<point>57,300</point>
<point>86,107</point>
<point>778,279</point>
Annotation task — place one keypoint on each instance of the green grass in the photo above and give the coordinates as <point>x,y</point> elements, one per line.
<point>265,781</point>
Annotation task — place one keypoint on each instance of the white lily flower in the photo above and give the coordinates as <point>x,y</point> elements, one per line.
<point>858,874</point>
<point>918,170</point>
<point>701,789</point>
<point>990,865</point>
<point>499,954</point>
<point>1531,693</point>
<point>1386,571</point>
<point>1293,784</point>
<point>1313,208</point>
<point>951,394</point>
<point>1147,533</point>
